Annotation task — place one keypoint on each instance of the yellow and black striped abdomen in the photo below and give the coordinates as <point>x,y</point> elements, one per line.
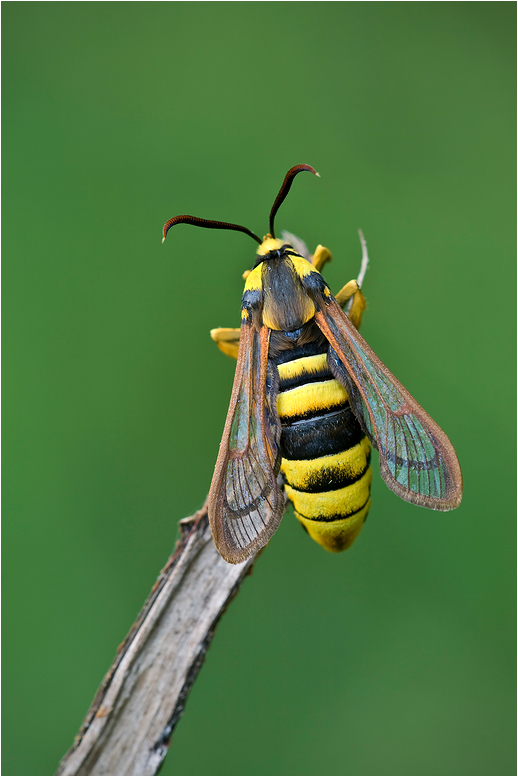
<point>325,454</point>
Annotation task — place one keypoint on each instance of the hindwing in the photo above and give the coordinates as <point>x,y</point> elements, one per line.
<point>417,460</point>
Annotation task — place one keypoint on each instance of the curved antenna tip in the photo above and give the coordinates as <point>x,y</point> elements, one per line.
<point>286,186</point>
<point>163,240</point>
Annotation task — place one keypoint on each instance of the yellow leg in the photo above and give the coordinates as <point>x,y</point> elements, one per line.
<point>345,294</point>
<point>356,311</point>
<point>227,340</point>
<point>320,257</point>
<point>358,305</point>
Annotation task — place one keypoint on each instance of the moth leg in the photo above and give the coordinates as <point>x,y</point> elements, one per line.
<point>355,312</point>
<point>351,293</point>
<point>227,340</point>
<point>320,257</point>
<point>345,294</point>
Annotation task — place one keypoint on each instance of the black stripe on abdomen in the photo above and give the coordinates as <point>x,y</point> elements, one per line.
<point>321,436</point>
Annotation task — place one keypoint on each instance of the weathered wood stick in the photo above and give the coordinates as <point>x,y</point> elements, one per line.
<point>128,728</point>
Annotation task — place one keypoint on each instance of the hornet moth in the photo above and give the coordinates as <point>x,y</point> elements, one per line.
<point>310,398</point>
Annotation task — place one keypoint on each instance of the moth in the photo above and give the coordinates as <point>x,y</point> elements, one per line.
<point>310,398</point>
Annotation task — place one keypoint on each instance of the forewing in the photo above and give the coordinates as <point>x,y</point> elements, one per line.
<point>417,460</point>
<point>245,502</point>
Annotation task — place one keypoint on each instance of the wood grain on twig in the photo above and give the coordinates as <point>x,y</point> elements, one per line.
<point>128,728</point>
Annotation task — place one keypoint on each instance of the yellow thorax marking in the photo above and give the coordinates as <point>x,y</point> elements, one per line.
<point>254,280</point>
<point>302,266</point>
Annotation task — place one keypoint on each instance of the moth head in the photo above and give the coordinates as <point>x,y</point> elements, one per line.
<point>270,245</point>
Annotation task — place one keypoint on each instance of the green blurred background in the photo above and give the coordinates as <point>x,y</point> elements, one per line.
<point>397,657</point>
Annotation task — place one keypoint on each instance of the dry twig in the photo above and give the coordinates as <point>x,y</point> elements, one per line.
<point>128,728</point>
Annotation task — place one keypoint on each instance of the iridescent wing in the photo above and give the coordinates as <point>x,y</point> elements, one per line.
<point>417,460</point>
<point>245,502</point>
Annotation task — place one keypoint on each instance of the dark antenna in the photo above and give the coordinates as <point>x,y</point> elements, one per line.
<point>286,186</point>
<point>196,222</point>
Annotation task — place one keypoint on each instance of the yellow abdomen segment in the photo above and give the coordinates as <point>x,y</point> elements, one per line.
<point>337,535</point>
<point>310,398</point>
<point>306,366</point>
<point>351,464</point>
<point>327,505</point>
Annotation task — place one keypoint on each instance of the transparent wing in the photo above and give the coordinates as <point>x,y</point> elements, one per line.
<point>245,502</point>
<point>417,461</point>
<point>297,243</point>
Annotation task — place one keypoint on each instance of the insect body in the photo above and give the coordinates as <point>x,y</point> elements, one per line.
<point>309,399</point>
